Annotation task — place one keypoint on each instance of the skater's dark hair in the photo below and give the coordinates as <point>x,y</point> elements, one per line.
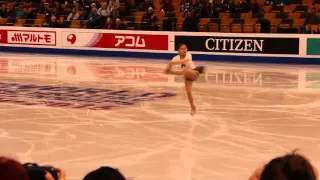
<point>181,44</point>
<point>292,166</point>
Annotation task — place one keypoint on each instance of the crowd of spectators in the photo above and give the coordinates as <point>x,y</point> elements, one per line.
<point>106,14</point>
<point>59,14</point>
<point>291,166</point>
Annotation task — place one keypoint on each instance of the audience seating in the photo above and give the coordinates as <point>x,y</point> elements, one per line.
<point>293,15</point>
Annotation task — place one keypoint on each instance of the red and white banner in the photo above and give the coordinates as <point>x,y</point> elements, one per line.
<point>116,41</point>
<point>45,38</point>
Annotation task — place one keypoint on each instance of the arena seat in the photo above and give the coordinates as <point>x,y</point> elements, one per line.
<point>179,24</point>
<point>236,28</point>
<point>225,28</point>
<point>281,15</point>
<point>301,9</point>
<point>75,24</point>
<point>41,16</point>
<point>294,15</point>
<point>266,9</point>
<point>257,28</point>
<point>213,27</point>
<point>246,15</point>
<point>224,15</point>
<point>203,24</point>
<point>289,8</point>
<point>248,28</point>
<point>20,22</point>
<point>307,2</point>
<point>3,21</point>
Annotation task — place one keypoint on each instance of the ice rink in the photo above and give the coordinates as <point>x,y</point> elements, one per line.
<point>79,113</point>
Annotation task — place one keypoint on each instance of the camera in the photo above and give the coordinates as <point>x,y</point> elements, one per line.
<point>37,172</point>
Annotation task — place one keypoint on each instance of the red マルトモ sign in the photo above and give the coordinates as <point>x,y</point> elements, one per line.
<point>116,41</point>
<point>46,38</point>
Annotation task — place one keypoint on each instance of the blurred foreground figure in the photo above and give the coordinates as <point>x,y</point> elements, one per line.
<point>104,173</point>
<point>11,169</point>
<point>289,167</point>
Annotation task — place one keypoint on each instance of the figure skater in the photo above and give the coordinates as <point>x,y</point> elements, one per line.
<point>188,70</point>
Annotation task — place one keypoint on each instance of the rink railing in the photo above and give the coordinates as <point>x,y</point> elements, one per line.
<point>276,48</point>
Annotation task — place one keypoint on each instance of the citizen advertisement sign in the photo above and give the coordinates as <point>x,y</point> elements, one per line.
<point>247,78</point>
<point>260,45</point>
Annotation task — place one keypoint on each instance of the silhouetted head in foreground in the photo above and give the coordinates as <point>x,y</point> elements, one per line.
<point>104,173</point>
<point>289,167</point>
<point>11,169</point>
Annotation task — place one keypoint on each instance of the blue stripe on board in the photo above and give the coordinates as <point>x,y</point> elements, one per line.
<point>206,57</point>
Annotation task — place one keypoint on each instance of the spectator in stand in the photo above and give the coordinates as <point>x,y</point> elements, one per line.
<point>42,9</point>
<point>289,167</point>
<point>120,25</point>
<point>11,14</point>
<point>307,30</point>
<point>255,8</point>
<point>313,18</point>
<point>144,6</point>
<point>77,5</point>
<point>218,6</point>
<point>12,170</point>
<point>230,7</point>
<point>54,23</point>
<point>63,23</point>
<point>167,6</point>
<point>59,8</point>
<point>3,11</point>
<point>30,14</point>
<point>54,13</point>
<point>46,22</point>
<point>212,11</point>
<point>318,30</point>
<point>98,5</point>
<point>148,20</point>
<point>269,2</point>
<point>186,6</point>
<point>26,4</point>
<point>243,6</point>
<point>94,20</point>
<point>201,9</point>
<point>89,11</point>
<point>190,23</point>
<point>74,15</point>
<point>104,173</point>
<point>281,2</point>
<point>104,11</point>
<point>109,24</point>
<point>115,5</point>
<point>20,14</point>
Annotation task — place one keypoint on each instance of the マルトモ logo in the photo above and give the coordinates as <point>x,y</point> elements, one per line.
<point>47,38</point>
<point>250,45</point>
<point>72,38</point>
<point>130,41</point>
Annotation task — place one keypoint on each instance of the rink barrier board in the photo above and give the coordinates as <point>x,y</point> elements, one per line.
<point>265,48</point>
<point>166,56</point>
